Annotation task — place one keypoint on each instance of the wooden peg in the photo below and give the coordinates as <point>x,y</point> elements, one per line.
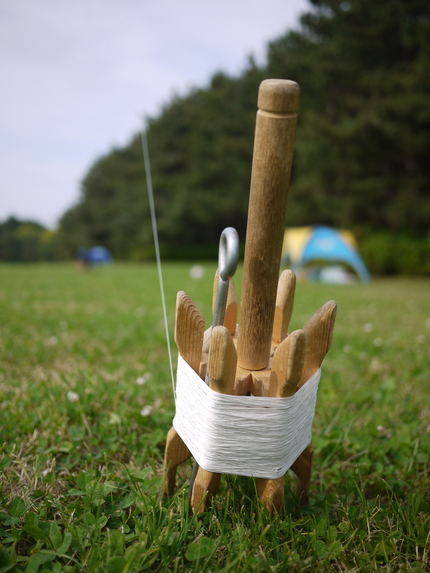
<point>320,333</point>
<point>189,330</point>
<point>221,372</point>
<point>222,361</point>
<point>284,305</point>
<point>288,362</point>
<point>271,168</point>
<point>319,329</point>
<point>230,318</point>
<point>287,368</point>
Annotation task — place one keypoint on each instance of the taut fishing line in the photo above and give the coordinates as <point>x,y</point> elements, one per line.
<point>157,249</point>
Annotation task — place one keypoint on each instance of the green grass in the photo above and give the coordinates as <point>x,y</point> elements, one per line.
<point>80,465</point>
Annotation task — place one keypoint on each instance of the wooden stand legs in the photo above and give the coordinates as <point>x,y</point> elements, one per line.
<point>176,452</point>
<point>271,491</point>
<point>302,467</point>
<point>206,486</point>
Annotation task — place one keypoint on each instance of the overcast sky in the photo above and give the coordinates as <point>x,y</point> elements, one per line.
<point>77,76</point>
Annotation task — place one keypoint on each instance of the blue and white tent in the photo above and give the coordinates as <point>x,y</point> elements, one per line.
<point>95,256</point>
<point>322,253</point>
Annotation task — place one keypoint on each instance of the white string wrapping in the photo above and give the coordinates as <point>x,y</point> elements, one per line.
<point>157,248</point>
<point>243,435</point>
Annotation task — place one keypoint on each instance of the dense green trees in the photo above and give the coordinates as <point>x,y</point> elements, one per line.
<point>113,211</point>
<point>201,152</point>
<point>25,241</point>
<point>362,145</point>
<point>361,148</point>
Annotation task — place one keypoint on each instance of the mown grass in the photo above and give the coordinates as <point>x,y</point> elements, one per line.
<point>86,402</point>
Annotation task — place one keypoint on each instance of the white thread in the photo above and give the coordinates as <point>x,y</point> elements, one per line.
<point>243,435</point>
<point>157,249</point>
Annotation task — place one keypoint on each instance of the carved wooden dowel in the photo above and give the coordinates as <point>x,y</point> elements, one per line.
<point>275,129</point>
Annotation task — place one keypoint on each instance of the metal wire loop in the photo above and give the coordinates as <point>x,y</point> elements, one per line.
<point>228,255</point>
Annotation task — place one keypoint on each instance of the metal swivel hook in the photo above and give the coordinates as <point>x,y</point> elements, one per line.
<point>228,257</point>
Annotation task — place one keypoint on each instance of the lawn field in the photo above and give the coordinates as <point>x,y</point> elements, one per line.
<point>86,402</point>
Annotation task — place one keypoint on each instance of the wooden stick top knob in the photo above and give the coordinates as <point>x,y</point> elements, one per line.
<point>279,96</point>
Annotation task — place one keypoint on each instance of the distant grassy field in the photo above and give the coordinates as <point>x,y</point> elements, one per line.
<point>86,402</point>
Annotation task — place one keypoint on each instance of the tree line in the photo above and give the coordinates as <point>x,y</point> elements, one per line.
<point>361,152</point>
<point>25,241</point>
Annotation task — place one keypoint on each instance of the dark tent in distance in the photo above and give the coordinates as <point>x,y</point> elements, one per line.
<point>323,254</point>
<point>94,256</point>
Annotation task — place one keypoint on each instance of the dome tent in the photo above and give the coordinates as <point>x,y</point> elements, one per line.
<point>318,246</point>
<point>95,256</point>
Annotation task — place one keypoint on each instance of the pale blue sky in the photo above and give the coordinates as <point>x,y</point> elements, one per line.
<point>77,76</point>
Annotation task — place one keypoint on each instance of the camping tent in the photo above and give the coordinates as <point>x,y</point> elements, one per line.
<point>95,256</point>
<point>308,250</point>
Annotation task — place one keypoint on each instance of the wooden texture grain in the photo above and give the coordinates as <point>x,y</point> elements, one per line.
<point>288,362</point>
<point>302,467</point>
<point>319,329</point>
<point>175,453</point>
<point>189,331</point>
<point>284,305</point>
<point>271,169</point>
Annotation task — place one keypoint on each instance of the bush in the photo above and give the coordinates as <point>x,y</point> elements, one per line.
<point>387,254</point>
